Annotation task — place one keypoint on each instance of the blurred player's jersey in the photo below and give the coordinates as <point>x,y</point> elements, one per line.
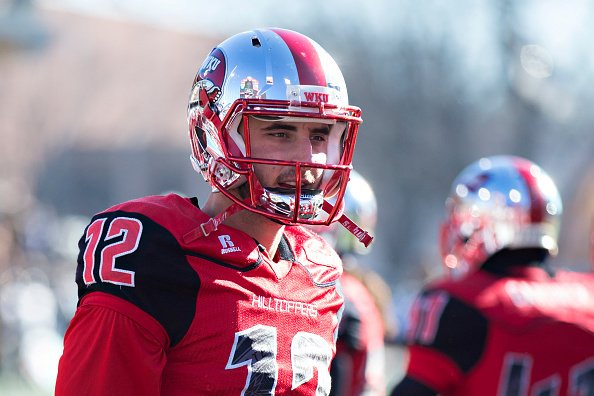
<point>359,365</point>
<point>524,335</point>
<point>163,311</point>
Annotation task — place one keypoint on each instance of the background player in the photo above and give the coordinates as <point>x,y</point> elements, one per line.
<point>505,323</point>
<point>359,365</point>
<point>177,298</point>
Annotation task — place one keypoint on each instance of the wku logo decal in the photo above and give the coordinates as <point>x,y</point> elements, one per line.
<point>318,94</point>
<point>210,77</point>
<point>210,65</point>
<point>316,97</point>
<point>212,91</point>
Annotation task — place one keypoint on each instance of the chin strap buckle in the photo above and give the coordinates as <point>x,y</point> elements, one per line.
<point>212,224</point>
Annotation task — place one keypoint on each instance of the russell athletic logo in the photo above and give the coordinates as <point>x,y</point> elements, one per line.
<point>228,245</point>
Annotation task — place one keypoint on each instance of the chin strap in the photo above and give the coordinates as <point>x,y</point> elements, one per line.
<point>363,236</point>
<point>212,224</point>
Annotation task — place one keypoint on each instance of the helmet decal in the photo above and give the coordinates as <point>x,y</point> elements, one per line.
<point>210,77</point>
<point>213,92</point>
<point>537,207</point>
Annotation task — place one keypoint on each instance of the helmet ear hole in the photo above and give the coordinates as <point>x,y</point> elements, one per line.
<point>201,136</point>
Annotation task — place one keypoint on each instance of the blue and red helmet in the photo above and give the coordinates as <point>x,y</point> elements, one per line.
<point>270,74</point>
<point>498,202</point>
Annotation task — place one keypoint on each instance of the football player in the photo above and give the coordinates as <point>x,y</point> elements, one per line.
<point>228,296</point>
<point>505,322</point>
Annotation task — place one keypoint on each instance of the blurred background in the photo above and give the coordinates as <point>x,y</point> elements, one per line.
<point>92,112</point>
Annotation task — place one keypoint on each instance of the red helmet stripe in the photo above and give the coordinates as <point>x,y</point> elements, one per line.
<point>309,64</point>
<point>537,202</point>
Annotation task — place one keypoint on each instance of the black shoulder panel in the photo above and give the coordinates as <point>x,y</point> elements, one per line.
<point>450,326</point>
<point>156,275</point>
<point>462,334</point>
<point>410,386</point>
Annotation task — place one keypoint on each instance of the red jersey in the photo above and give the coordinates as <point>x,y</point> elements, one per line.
<point>164,312</point>
<point>530,334</point>
<point>359,365</point>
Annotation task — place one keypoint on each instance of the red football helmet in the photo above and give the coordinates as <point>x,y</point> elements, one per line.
<point>271,74</point>
<point>498,202</point>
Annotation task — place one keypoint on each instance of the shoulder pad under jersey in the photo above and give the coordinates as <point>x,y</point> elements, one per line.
<point>314,254</point>
<point>226,245</point>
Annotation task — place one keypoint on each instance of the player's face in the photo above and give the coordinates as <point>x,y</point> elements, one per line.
<point>311,142</point>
